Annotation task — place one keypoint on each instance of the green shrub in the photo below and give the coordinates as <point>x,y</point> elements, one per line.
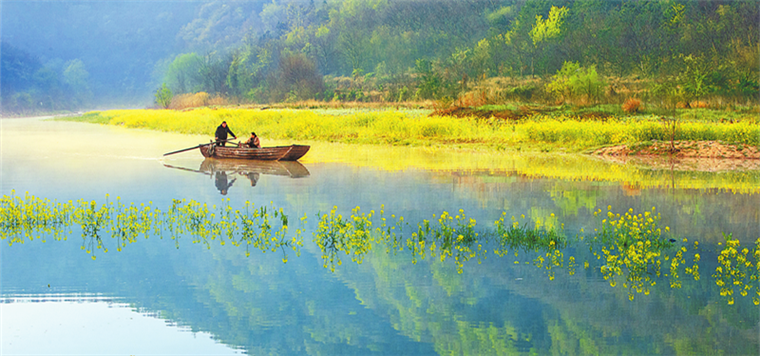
<point>576,82</point>
<point>164,96</point>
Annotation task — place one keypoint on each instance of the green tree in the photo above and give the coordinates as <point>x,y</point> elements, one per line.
<point>246,76</point>
<point>297,78</point>
<point>213,72</point>
<point>429,83</point>
<point>547,30</point>
<point>164,96</point>
<point>184,73</point>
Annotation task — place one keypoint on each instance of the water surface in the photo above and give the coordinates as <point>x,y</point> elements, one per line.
<point>169,297</point>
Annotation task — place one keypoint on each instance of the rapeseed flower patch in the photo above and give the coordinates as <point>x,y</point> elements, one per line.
<point>630,249</point>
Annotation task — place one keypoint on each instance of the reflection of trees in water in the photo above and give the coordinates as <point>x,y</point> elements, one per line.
<point>697,213</point>
<point>632,251</point>
<point>505,308</point>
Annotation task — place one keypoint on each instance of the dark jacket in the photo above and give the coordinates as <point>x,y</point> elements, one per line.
<point>221,132</point>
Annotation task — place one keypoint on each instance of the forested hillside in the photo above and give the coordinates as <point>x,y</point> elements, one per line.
<point>400,50</point>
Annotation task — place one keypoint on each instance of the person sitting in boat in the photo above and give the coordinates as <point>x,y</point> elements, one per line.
<point>253,142</point>
<point>221,134</point>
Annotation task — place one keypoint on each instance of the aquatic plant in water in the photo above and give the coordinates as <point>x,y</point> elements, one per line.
<point>350,236</point>
<point>29,218</point>
<point>632,244</point>
<point>628,249</point>
<point>453,237</point>
<point>738,270</point>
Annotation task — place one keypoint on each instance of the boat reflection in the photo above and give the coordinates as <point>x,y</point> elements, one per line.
<point>291,169</point>
<point>223,171</point>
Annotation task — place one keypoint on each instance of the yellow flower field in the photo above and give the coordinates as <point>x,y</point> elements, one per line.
<point>403,128</point>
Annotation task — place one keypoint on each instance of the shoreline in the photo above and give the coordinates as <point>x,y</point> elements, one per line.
<point>701,156</point>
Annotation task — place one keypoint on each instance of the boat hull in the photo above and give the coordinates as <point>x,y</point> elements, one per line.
<point>278,153</point>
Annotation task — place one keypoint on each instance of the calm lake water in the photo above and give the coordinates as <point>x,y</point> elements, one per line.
<point>163,296</point>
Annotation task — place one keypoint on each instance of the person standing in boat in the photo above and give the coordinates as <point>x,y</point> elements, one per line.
<point>221,134</point>
<point>253,142</point>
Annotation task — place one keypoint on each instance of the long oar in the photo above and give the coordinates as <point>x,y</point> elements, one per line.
<point>201,145</point>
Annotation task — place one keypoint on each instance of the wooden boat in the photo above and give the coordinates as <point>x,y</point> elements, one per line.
<point>279,153</point>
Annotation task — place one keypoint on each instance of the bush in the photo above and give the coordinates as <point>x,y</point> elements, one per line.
<point>576,82</point>
<point>164,96</point>
<point>632,105</point>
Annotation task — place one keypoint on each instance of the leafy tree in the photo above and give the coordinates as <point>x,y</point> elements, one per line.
<point>544,30</point>
<point>213,73</point>
<point>48,89</point>
<point>548,30</point>
<point>429,83</point>
<point>164,96</point>
<point>692,82</point>
<point>183,74</point>
<point>247,73</point>
<point>297,78</point>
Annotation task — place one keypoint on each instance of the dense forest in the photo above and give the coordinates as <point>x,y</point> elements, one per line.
<point>74,55</point>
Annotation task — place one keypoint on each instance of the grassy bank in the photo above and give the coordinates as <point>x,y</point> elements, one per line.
<point>415,128</point>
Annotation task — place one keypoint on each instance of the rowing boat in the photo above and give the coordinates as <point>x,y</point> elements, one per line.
<point>278,153</point>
